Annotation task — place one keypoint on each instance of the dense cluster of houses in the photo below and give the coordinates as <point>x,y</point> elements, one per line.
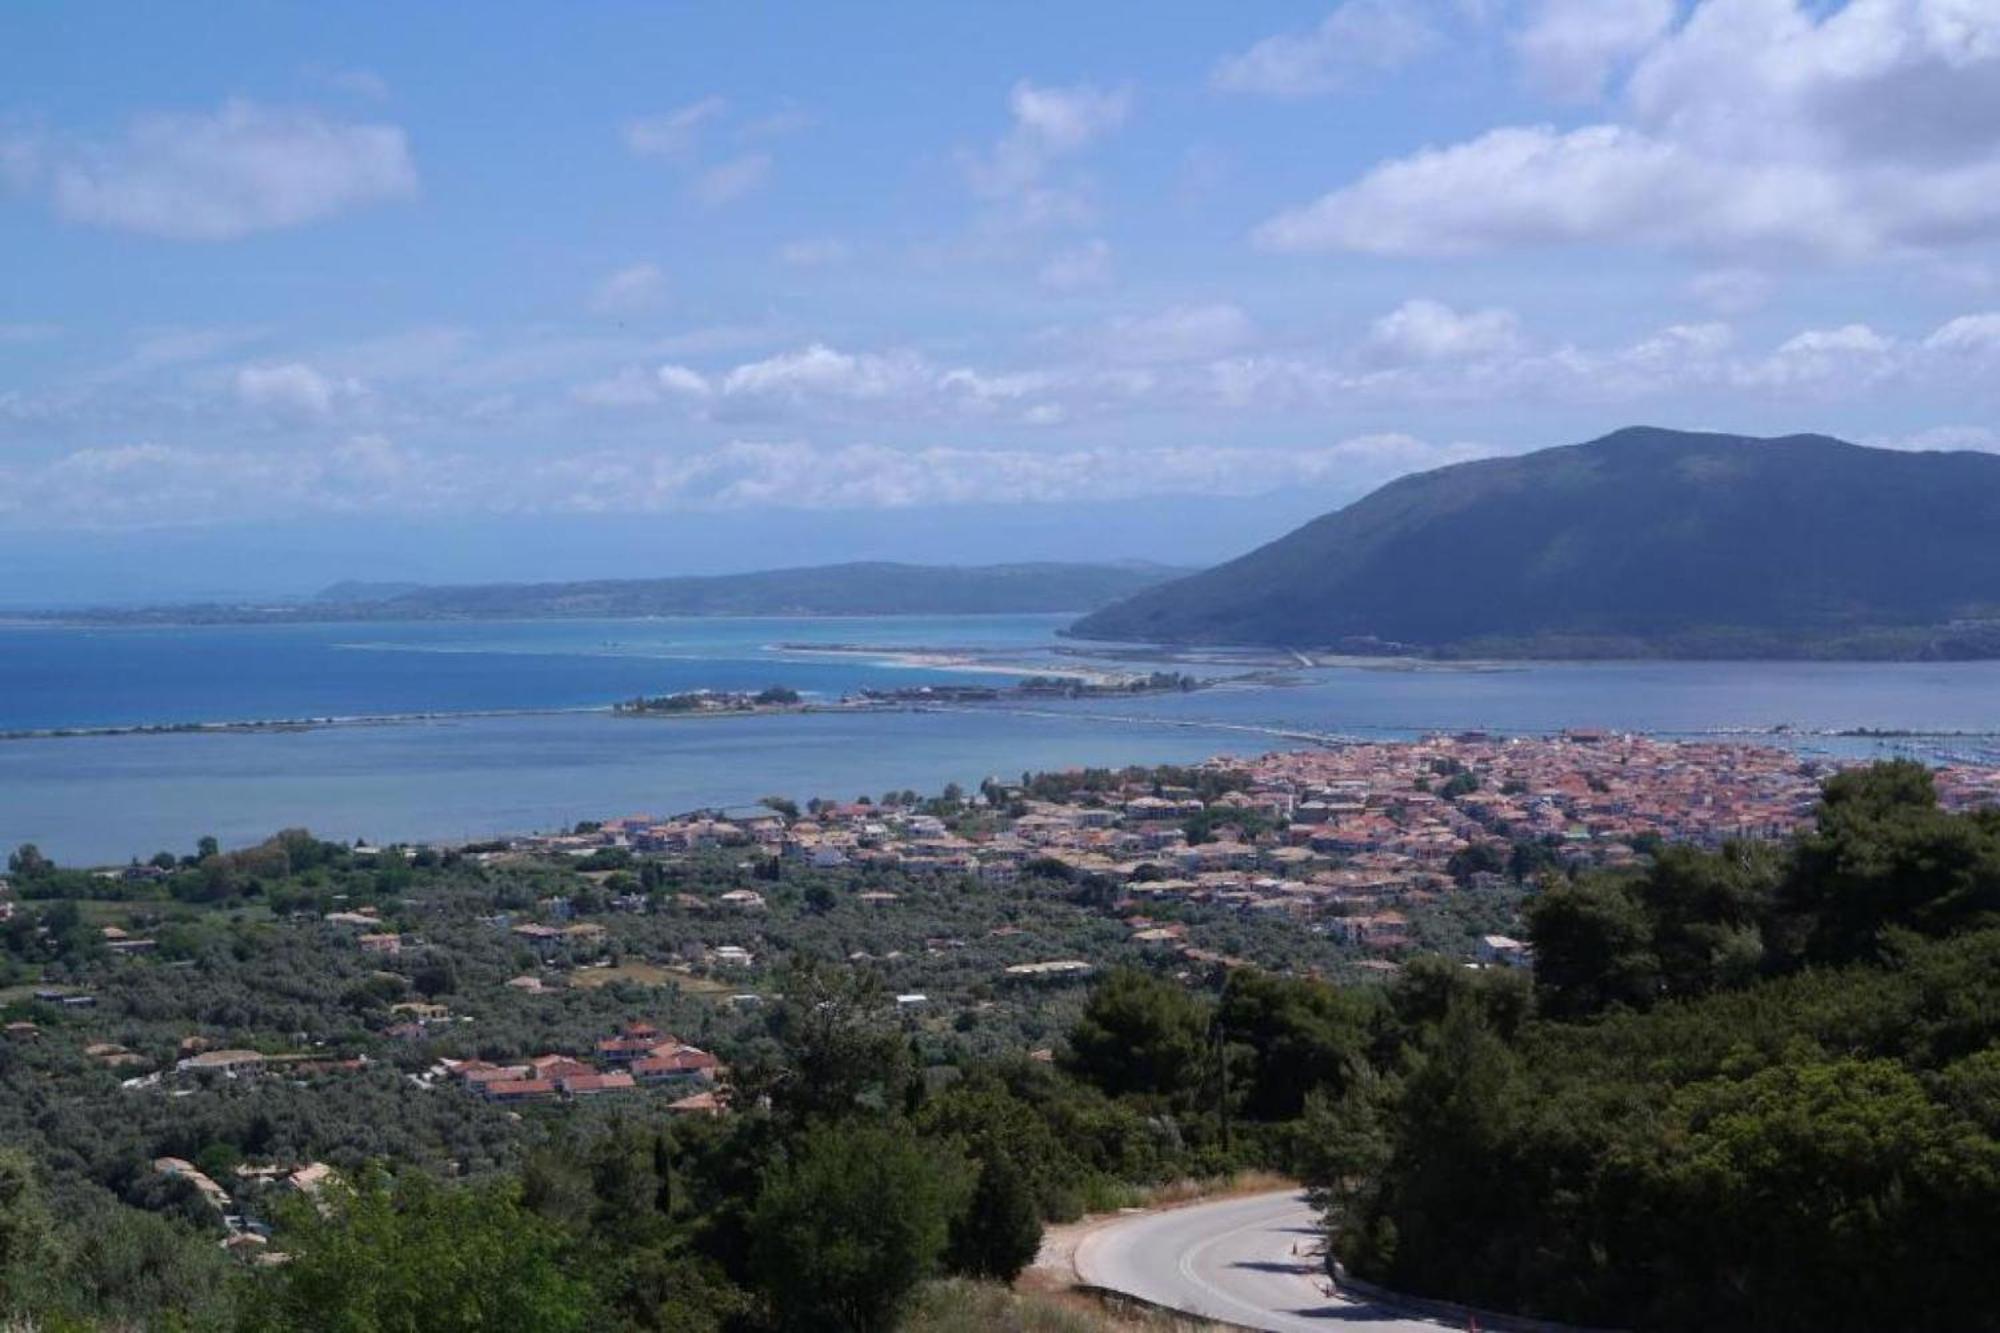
<point>1343,836</point>
<point>640,1056</point>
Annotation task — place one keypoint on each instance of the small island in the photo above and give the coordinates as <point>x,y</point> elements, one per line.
<point>771,699</point>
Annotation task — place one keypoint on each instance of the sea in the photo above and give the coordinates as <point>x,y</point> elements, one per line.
<point>466,730</point>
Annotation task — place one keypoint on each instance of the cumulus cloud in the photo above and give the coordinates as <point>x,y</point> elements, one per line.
<point>1977,335</point>
<point>1570,48</point>
<point>1358,36</point>
<point>1049,125</point>
<point>629,290</point>
<point>1849,356</point>
<point>1771,125</point>
<point>1426,330</point>
<point>216,176</point>
<point>1179,333</point>
<point>293,388</point>
<point>138,485</point>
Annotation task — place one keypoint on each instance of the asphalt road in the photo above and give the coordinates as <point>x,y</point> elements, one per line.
<point>1252,1261</point>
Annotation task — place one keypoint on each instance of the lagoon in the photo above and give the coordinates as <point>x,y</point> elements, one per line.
<point>453,775</point>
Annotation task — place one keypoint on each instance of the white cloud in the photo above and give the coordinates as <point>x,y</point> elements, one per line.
<point>1049,125</point>
<point>679,380</point>
<point>145,484</point>
<point>819,370</point>
<point>1968,335</point>
<point>729,181</point>
<point>673,135</point>
<point>1063,120</point>
<point>638,388</point>
<point>1571,47</point>
<point>814,252</point>
<point>1358,36</point>
<point>629,290</point>
<point>1848,357</point>
<point>1426,330</point>
<point>1179,333</point>
<point>293,388</point>
<point>215,176</point>
<point>1772,125</point>
<point>1515,188</point>
<point>1079,268</point>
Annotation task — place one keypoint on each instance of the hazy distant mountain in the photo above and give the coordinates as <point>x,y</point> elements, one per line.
<point>1644,543</point>
<point>853,589</point>
<point>350,591</point>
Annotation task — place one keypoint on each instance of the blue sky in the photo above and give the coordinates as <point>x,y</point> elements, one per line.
<point>295,293</point>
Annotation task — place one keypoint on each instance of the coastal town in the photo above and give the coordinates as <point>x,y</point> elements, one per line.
<point>1340,838</point>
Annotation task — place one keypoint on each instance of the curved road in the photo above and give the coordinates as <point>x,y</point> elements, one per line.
<point>1253,1261</point>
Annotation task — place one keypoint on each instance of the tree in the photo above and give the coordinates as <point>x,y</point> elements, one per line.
<point>24,1227</point>
<point>1884,856</point>
<point>28,863</point>
<point>416,1254</point>
<point>1302,1035</point>
<point>998,1234</point>
<point>845,1230</point>
<point>843,1050</point>
<point>1593,947</point>
<point>1139,1035</point>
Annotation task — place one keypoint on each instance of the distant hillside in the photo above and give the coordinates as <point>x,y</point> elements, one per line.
<point>1644,543</point>
<point>852,589</point>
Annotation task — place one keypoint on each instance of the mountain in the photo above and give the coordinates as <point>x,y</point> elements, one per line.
<point>350,591</point>
<point>1644,543</point>
<point>827,590</point>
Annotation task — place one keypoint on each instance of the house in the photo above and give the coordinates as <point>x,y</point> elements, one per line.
<point>1061,969</point>
<point>386,943</point>
<point>227,1062</point>
<point>675,1064</point>
<point>181,1169</point>
<point>520,1090</point>
<point>700,1103</point>
<point>556,1068</point>
<point>743,900</point>
<point>593,1085</point>
<point>1506,951</point>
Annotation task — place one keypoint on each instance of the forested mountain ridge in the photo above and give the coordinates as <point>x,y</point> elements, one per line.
<point>1645,543</point>
<point>858,588</point>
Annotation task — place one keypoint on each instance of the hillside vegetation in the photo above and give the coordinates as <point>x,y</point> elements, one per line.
<point>857,589</point>
<point>1644,543</point>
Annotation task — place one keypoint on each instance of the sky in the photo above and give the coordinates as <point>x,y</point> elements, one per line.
<point>295,293</point>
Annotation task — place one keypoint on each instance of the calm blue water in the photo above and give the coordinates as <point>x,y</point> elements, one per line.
<point>89,677</point>
<point>109,797</point>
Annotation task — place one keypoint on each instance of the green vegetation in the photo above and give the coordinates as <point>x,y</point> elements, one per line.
<point>1754,1088</point>
<point>1758,1093</point>
<point>827,590</point>
<point>1647,543</point>
<point>713,701</point>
